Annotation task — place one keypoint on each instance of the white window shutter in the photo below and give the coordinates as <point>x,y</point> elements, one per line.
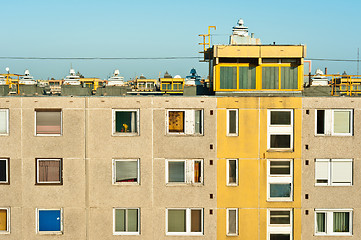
<point>341,171</point>
<point>190,116</point>
<point>328,122</point>
<point>189,171</point>
<point>321,170</point>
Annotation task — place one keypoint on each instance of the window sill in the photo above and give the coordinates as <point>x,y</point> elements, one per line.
<point>4,183</point>
<point>126,233</point>
<point>184,234</point>
<point>48,184</point>
<point>48,135</point>
<point>232,235</point>
<point>232,185</point>
<point>343,185</point>
<point>333,234</point>
<point>184,184</point>
<point>183,135</point>
<point>50,233</point>
<point>125,134</point>
<point>4,135</point>
<point>4,232</point>
<point>279,200</point>
<point>126,184</point>
<point>232,135</point>
<point>280,150</point>
<point>333,135</point>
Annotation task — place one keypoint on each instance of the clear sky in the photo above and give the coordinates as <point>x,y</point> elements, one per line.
<point>166,28</point>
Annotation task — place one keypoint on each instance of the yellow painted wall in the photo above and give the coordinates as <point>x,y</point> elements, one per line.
<point>250,148</point>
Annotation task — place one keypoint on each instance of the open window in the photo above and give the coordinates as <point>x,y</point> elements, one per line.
<point>334,222</point>
<point>188,171</point>
<point>4,121</point>
<point>280,223</point>
<point>280,129</point>
<point>280,180</point>
<point>4,171</point>
<point>188,122</point>
<point>49,171</point>
<point>232,221</point>
<point>185,221</point>
<point>126,171</point>
<point>333,172</point>
<point>49,221</point>
<point>4,220</point>
<point>126,221</point>
<point>126,122</point>
<point>334,122</point>
<point>232,172</point>
<point>232,122</point>
<point>48,122</point>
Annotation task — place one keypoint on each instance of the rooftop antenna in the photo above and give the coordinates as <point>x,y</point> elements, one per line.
<point>358,59</point>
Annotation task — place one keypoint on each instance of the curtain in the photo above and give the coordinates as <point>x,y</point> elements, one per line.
<point>49,171</point>
<point>3,220</point>
<point>341,221</point>
<point>176,121</point>
<point>132,220</point>
<point>176,171</point>
<point>247,78</point>
<point>197,171</point>
<point>232,221</point>
<point>126,171</point>
<point>198,121</point>
<point>196,220</point>
<point>289,78</point>
<point>321,222</point>
<point>176,220</point>
<point>48,122</point>
<point>341,121</point>
<point>120,220</point>
<point>270,78</point>
<point>3,121</point>
<point>228,77</point>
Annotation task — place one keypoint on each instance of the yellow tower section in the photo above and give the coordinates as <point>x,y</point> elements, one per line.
<point>259,168</point>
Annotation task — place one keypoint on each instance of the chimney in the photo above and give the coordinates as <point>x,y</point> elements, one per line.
<point>325,70</point>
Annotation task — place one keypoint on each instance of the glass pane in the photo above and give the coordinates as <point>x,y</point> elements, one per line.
<point>3,121</point>
<point>176,220</point>
<point>3,171</point>
<point>289,77</point>
<point>321,222</point>
<point>176,171</point>
<point>341,122</point>
<point>196,220</point>
<point>280,118</point>
<point>49,170</point>
<point>341,221</point>
<point>270,77</point>
<point>176,121</point>
<point>232,121</point>
<point>49,220</point>
<point>48,122</point>
<point>198,121</point>
<point>197,171</point>
<point>228,77</point>
<point>280,190</point>
<point>280,167</point>
<point>126,171</point>
<point>3,220</point>
<point>247,78</point>
<point>280,217</point>
<point>320,121</point>
<point>280,236</point>
<point>280,141</point>
<point>120,220</point>
<point>232,171</point>
<point>126,122</point>
<point>132,220</point>
<point>232,222</point>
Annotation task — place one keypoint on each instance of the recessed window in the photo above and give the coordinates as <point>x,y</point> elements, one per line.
<point>125,121</point>
<point>334,122</point>
<point>333,172</point>
<point>49,171</point>
<point>280,224</point>
<point>126,171</point>
<point>232,122</point>
<point>50,221</point>
<point>4,121</point>
<point>4,171</point>
<point>187,221</point>
<point>48,122</point>
<point>232,172</point>
<point>4,220</point>
<point>232,222</point>
<point>280,129</point>
<point>336,222</point>
<point>185,122</point>
<point>189,171</point>
<point>126,221</point>
<point>280,180</point>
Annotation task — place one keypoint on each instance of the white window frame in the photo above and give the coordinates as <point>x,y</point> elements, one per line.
<point>7,121</point>
<point>279,179</point>
<point>188,171</point>
<point>114,123</point>
<point>7,231</point>
<point>50,232</point>
<point>279,129</point>
<point>49,135</point>
<point>329,222</point>
<point>279,228</point>
<point>227,173</point>
<point>125,232</point>
<point>189,124</point>
<point>49,159</point>
<point>227,221</point>
<point>329,122</point>
<point>237,120</point>
<point>188,223</point>
<point>329,177</point>
<point>126,183</point>
<point>7,171</point>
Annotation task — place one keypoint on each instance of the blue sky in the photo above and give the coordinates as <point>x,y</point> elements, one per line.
<point>87,28</point>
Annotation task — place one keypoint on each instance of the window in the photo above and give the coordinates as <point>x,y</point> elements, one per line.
<point>280,224</point>
<point>48,122</point>
<point>232,172</point>
<point>280,180</point>
<point>188,171</point>
<point>232,122</point>
<point>281,77</point>
<point>333,172</point>
<point>185,121</point>
<point>49,171</point>
<point>126,171</point>
<point>4,171</point>
<point>333,222</point>
<point>232,221</point>
<point>50,221</point>
<point>186,221</point>
<point>246,77</point>
<point>280,129</point>
<point>4,220</point>
<point>125,122</point>
<point>334,122</point>
<point>4,121</point>
<point>126,221</point>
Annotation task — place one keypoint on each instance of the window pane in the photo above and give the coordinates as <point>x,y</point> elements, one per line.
<point>280,190</point>
<point>3,121</point>
<point>269,77</point>
<point>49,171</point>
<point>320,121</point>
<point>341,122</point>
<point>280,118</point>
<point>341,172</point>
<point>232,171</point>
<point>176,220</point>
<point>280,141</point>
<point>280,167</point>
<point>232,121</point>
<point>3,171</point>
<point>49,220</point>
<point>126,171</point>
<point>280,237</point>
<point>341,221</point>
<point>247,78</point>
<point>48,122</point>
<point>228,77</point>
<point>289,77</point>
<point>198,121</point>
<point>321,222</point>
<point>232,221</point>
<point>176,172</point>
<point>197,171</point>
<point>132,220</point>
<point>280,217</point>
<point>3,220</point>
<point>176,121</point>
<point>120,220</point>
<point>196,220</point>
<point>126,122</point>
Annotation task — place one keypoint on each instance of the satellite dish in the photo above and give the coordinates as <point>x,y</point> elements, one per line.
<point>116,72</point>
<point>7,69</point>
<point>27,73</point>
<point>177,76</point>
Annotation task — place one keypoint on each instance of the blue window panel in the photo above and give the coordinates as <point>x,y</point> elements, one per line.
<point>280,190</point>
<point>49,220</point>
